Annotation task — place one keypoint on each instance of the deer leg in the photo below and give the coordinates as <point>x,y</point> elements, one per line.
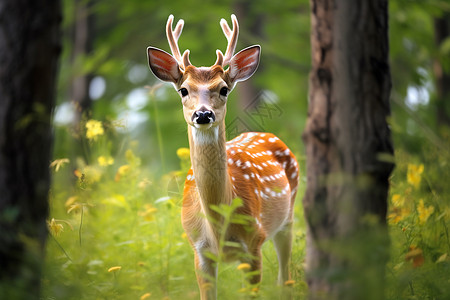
<point>206,272</point>
<point>283,245</point>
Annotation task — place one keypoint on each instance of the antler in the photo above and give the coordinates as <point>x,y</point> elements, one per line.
<point>232,36</point>
<point>172,37</point>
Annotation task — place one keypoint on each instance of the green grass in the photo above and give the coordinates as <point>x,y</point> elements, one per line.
<point>117,233</point>
<point>124,215</point>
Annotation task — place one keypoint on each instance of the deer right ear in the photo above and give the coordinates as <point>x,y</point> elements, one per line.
<point>163,65</point>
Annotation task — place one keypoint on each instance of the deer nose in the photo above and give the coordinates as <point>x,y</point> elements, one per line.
<point>203,116</point>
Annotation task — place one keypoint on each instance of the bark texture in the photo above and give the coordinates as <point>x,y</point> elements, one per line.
<point>348,148</point>
<point>29,51</point>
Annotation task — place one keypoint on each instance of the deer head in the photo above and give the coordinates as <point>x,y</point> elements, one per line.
<point>203,90</point>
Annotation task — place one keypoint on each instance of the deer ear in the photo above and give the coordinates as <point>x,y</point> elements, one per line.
<point>244,63</point>
<point>163,65</point>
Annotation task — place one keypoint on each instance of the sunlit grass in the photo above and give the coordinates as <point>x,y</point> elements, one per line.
<point>115,231</point>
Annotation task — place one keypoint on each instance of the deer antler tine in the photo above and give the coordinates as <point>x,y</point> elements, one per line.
<point>178,29</point>
<point>226,29</point>
<point>172,37</point>
<point>186,61</point>
<point>219,60</point>
<point>232,36</point>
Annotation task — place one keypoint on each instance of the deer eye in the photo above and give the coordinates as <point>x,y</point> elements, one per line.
<point>183,91</point>
<point>224,91</point>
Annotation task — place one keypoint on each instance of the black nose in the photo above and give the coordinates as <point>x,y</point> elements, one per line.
<point>203,117</point>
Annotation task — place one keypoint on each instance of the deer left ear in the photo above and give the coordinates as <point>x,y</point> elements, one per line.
<point>244,63</point>
<point>163,65</point>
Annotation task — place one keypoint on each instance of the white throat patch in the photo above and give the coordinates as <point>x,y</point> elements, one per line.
<point>205,136</point>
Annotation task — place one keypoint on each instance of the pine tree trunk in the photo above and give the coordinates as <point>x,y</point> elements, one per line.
<point>349,150</point>
<point>29,51</point>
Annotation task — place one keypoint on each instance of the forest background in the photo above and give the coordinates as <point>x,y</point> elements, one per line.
<point>120,145</point>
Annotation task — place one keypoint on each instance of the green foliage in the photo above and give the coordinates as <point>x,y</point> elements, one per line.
<point>420,221</point>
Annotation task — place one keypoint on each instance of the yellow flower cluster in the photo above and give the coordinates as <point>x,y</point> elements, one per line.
<point>105,161</point>
<point>424,212</point>
<point>414,175</point>
<point>149,213</point>
<point>398,212</point>
<point>55,228</point>
<point>94,129</point>
<point>183,153</point>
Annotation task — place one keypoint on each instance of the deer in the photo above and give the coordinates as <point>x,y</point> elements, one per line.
<point>256,167</point>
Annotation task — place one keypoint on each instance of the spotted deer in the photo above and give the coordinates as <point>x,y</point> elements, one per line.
<point>256,167</point>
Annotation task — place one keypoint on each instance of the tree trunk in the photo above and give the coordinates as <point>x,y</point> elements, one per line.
<point>247,91</point>
<point>29,51</point>
<point>442,75</point>
<point>83,38</point>
<point>348,149</point>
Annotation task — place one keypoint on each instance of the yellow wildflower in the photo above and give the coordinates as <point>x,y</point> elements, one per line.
<point>144,183</point>
<point>244,266</point>
<point>145,296</point>
<point>94,129</point>
<point>105,161</point>
<point>397,215</point>
<point>414,175</point>
<point>74,207</point>
<point>122,171</point>
<point>424,212</point>
<point>114,269</point>
<point>58,163</point>
<point>289,282</point>
<point>398,200</point>
<point>148,213</point>
<point>183,153</point>
<point>54,228</point>
<point>71,201</point>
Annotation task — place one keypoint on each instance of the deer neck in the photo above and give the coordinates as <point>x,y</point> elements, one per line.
<point>209,163</point>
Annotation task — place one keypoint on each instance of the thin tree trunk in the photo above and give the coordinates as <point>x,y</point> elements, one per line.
<point>442,76</point>
<point>29,51</point>
<point>82,47</point>
<point>348,148</point>
<point>247,91</point>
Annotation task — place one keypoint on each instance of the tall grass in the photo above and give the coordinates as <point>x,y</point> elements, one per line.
<point>116,232</point>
